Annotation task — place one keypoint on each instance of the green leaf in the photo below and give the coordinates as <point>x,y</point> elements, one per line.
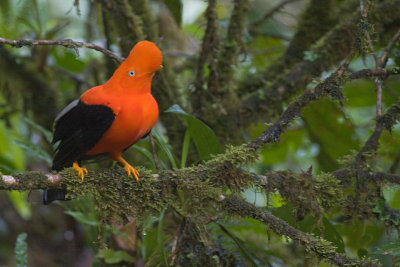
<point>18,199</point>
<point>185,148</point>
<point>249,234</point>
<point>146,153</point>
<point>21,248</point>
<point>68,60</point>
<point>360,234</point>
<point>162,143</point>
<point>175,6</point>
<point>160,241</point>
<point>148,242</point>
<point>46,133</point>
<point>331,130</point>
<point>12,157</point>
<point>34,149</point>
<point>354,89</point>
<point>82,218</point>
<point>203,136</point>
<point>111,256</point>
<point>241,245</point>
<point>391,193</point>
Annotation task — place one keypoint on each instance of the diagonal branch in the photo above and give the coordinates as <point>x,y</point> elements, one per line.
<point>386,121</point>
<point>271,12</point>
<point>324,249</point>
<point>330,85</point>
<point>388,48</point>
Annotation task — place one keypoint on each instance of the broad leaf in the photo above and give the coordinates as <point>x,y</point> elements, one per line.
<point>203,136</point>
<point>111,256</point>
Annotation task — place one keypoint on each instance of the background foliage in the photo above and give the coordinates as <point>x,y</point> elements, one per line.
<point>231,68</point>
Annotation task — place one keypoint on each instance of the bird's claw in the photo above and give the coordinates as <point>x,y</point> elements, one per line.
<point>132,171</point>
<point>81,171</point>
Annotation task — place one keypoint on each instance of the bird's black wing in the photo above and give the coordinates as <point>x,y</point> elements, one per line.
<point>79,127</point>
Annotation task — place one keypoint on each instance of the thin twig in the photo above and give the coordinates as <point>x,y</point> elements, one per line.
<point>345,65</point>
<point>175,243</point>
<point>364,8</point>
<point>389,47</point>
<point>371,47</point>
<point>380,62</point>
<point>66,43</point>
<point>379,73</point>
<point>271,12</point>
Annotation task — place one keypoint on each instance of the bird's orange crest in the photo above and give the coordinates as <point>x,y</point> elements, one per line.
<point>139,67</point>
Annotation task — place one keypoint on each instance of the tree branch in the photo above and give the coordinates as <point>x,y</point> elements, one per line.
<point>376,177</point>
<point>267,96</point>
<point>209,51</point>
<point>154,190</point>
<point>389,47</point>
<point>66,43</point>
<point>330,86</point>
<point>324,249</point>
<point>378,72</point>
<point>386,121</point>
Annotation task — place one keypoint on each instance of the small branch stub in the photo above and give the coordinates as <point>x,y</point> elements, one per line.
<point>54,179</point>
<point>9,180</point>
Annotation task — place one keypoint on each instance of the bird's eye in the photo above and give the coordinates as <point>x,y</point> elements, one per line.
<point>132,73</point>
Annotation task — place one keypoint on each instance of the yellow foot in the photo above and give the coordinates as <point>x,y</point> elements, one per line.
<point>81,171</point>
<point>130,170</point>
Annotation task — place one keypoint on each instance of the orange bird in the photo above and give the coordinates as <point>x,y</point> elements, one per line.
<point>109,118</point>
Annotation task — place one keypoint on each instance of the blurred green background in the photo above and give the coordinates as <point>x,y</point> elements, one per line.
<point>37,82</point>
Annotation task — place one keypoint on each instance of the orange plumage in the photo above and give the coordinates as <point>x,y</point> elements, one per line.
<point>109,118</point>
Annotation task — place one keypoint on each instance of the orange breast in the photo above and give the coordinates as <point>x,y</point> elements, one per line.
<point>136,114</point>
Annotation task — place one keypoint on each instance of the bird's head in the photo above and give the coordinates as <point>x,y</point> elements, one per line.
<point>139,67</point>
<point>145,57</point>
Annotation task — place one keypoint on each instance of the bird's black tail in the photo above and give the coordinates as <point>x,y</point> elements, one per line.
<point>50,195</point>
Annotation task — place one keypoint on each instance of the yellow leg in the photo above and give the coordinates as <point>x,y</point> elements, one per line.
<point>81,171</point>
<point>128,168</point>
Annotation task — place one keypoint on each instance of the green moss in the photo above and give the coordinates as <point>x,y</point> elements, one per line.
<point>190,191</point>
<point>115,194</point>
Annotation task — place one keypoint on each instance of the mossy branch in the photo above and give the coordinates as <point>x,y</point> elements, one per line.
<point>116,194</point>
<point>209,52</point>
<point>371,145</point>
<point>324,249</point>
<point>232,45</point>
<point>330,86</point>
<point>267,96</point>
<point>220,92</point>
